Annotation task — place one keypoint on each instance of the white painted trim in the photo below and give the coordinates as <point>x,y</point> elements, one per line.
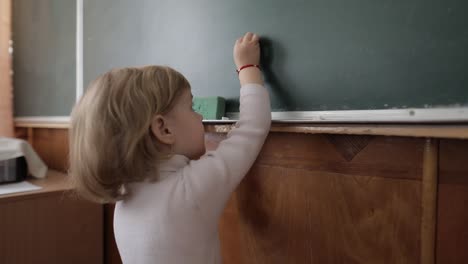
<point>79,49</point>
<point>413,115</point>
<point>437,115</point>
<point>42,120</point>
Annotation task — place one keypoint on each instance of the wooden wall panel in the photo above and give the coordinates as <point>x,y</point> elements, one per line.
<point>389,157</point>
<point>304,202</point>
<point>50,229</point>
<point>52,146</point>
<point>21,132</point>
<point>111,252</point>
<point>452,231</point>
<point>313,198</point>
<point>230,233</point>
<point>298,216</point>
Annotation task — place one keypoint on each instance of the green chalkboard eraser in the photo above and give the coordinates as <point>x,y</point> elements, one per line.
<point>211,108</point>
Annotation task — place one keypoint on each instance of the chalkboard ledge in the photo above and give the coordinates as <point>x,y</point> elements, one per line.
<point>440,130</point>
<point>410,115</point>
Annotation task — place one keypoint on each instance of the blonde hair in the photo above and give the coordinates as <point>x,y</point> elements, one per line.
<point>110,138</point>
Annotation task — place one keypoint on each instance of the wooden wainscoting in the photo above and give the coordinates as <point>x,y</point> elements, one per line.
<point>452,230</point>
<point>55,227</point>
<point>51,144</point>
<point>329,198</point>
<point>50,226</point>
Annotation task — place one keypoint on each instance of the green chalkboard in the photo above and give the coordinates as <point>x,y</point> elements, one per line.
<point>317,54</point>
<point>44,37</point>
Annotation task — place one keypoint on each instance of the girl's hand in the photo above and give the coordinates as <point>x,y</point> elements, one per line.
<point>247,50</point>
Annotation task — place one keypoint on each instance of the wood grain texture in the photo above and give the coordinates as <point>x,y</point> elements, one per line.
<point>429,200</point>
<point>457,131</point>
<point>6,88</point>
<point>52,146</point>
<point>302,202</point>
<point>50,229</point>
<point>50,226</point>
<point>349,145</point>
<point>21,133</point>
<point>111,252</point>
<point>232,244</point>
<point>298,216</point>
<point>452,217</point>
<point>389,157</point>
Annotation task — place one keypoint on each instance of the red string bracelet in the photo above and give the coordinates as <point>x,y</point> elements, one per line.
<point>247,66</point>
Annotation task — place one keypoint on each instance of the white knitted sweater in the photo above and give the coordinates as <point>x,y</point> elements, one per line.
<point>175,220</point>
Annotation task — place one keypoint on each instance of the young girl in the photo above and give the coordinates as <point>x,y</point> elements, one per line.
<point>136,141</point>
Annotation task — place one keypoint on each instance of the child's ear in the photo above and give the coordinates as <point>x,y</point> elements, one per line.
<point>161,130</point>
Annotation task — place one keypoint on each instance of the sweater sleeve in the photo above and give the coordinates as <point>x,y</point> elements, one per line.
<point>211,179</point>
